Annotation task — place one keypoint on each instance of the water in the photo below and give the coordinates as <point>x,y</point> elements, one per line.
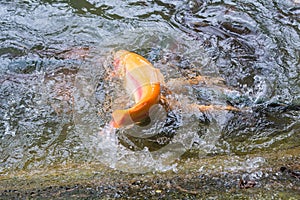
<point>56,97</point>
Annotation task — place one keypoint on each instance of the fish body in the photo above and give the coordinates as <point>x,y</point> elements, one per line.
<point>142,81</point>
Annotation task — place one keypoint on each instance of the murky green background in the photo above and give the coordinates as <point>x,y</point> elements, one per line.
<point>54,95</point>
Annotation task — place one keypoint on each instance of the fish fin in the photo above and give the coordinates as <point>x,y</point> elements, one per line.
<point>160,77</point>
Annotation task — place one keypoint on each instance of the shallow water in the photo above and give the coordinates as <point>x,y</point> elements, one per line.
<point>56,95</point>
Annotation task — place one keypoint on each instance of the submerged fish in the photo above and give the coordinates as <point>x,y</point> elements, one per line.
<point>142,81</point>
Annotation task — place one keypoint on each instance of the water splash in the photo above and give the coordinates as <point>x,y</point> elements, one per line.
<point>252,46</point>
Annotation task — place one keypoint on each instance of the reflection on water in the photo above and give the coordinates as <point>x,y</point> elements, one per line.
<point>54,103</point>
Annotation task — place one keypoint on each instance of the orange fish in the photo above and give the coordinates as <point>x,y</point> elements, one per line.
<point>142,81</point>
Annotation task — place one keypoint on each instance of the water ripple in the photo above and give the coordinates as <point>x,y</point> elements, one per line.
<point>252,45</point>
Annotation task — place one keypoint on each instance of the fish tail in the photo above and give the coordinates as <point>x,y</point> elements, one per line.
<point>121,118</point>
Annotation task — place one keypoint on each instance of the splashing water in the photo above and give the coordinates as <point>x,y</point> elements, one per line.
<point>56,97</point>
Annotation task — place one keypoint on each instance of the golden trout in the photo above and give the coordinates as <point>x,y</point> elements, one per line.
<point>142,81</point>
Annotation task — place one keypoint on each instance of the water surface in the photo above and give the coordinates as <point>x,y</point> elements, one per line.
<point>55,57</point>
